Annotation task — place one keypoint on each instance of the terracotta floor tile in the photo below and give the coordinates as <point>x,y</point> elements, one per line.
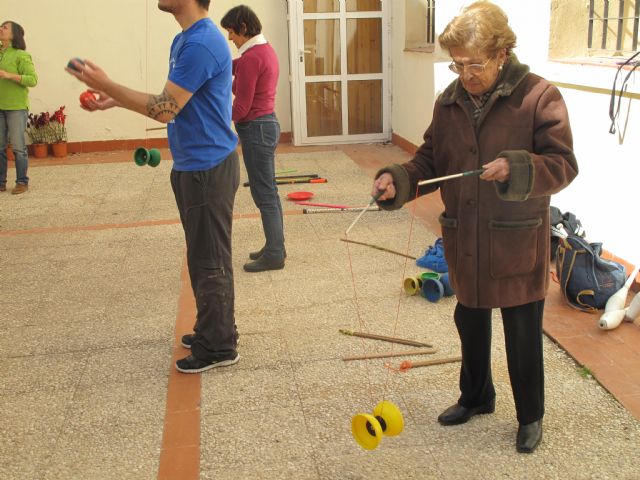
<point>183,394</point>
<point>628,333</point>
<point>181,429</point>
<point>631,403</point>
<point>179,463</point>
<point>616,380</point>
<point>623,354</point>
<point>581,348</point>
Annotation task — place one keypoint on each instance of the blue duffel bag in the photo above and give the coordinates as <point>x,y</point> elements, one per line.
<point>586,280</point>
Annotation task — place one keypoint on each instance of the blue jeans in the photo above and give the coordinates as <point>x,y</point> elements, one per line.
<point>259,139</point>
<point>12,126</point>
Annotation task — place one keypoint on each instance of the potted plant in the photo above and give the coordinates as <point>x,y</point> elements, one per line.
<point>38,131</point>
<point>58,133</point>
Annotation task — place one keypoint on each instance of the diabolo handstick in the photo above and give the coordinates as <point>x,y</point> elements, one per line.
<point>449,177</point>
<point>326,205</point>
<point>366,207</point>
<point>338,210</point>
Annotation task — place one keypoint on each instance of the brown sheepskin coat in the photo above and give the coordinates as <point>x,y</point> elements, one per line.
<point>496,235</point>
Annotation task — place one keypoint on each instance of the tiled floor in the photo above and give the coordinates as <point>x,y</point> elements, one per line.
<point>612,357</point>
<point>191,446</point>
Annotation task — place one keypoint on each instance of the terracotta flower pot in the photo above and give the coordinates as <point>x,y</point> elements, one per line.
<point>40,150</point>
<point>59,149</point>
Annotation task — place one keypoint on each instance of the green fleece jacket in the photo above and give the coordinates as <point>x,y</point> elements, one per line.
<point>15,95</point>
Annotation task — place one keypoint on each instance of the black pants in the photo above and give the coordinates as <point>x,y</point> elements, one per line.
<point>205,202</point>
<point>523,339</point>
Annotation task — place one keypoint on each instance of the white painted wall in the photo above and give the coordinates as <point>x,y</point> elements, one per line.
<point>412,82</point>
<point>130,39</point>
<point>604,194</point>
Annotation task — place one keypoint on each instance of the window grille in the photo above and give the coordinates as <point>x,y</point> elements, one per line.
<point>431,21</point>
<point>619,26</point>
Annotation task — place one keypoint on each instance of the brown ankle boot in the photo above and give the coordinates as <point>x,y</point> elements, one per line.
<point>19,188</point>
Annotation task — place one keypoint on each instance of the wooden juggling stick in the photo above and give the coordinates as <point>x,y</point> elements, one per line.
<point>383,338</point>
<point>407,365</point>
<point>372,356</point>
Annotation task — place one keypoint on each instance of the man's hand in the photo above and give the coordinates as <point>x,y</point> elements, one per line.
<point>90,74</point>
<point>497,170</point>
<point>384,183</point>
<point>102,102</point>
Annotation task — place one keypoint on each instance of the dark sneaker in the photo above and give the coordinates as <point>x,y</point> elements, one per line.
<point>187,340</point>
<point>191,364</point>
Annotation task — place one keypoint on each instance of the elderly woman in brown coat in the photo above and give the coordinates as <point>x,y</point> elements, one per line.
<point>499,117</point>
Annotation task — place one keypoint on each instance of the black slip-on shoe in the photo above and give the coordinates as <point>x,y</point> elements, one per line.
<point>529,437</point>
<point>191,364</point>
<point>258,254</point>
<point>457,414</point>
<point>263,264</point>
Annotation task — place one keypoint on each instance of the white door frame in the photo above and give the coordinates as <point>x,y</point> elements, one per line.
<point>299,79</point>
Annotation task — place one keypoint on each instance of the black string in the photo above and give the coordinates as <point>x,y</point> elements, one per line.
<point>614,111</point>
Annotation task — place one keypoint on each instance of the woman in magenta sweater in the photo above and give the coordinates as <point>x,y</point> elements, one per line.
<point>254,86</point>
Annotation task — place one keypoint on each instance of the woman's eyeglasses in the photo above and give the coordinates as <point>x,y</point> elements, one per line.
<point>473,69</point>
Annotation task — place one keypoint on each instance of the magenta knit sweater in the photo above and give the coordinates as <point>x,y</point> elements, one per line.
<point>254,83</point>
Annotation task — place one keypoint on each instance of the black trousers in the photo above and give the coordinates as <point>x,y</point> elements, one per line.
<point>205,202</point>
<point>523,339</point>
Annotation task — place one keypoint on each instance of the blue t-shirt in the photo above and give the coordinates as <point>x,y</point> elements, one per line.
<point>200,136</point>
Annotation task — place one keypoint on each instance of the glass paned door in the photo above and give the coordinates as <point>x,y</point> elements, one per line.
<point>319,6</point>
<point>340,89</point>
<point>364,45</point>
<point>321,47</point>
<point>364,5</point>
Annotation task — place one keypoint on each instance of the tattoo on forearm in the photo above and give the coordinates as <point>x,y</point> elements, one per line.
<point>162,107</point>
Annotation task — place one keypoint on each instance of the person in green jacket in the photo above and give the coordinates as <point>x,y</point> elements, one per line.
<point>17,74</point>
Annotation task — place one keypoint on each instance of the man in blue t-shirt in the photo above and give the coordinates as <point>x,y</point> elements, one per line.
<point>196,105</point>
